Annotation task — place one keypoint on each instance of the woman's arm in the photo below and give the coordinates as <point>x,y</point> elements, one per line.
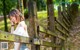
<point>12,27</point>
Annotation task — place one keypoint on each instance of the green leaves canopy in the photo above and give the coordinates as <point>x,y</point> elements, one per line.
<point>10,4</point>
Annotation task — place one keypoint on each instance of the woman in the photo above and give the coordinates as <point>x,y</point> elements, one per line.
<point>17,19</point>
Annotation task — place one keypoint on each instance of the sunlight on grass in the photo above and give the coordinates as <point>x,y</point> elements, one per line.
<point>2,24</point>
<point>42,14</point>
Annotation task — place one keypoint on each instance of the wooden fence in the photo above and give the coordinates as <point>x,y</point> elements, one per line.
<point>59,35</point>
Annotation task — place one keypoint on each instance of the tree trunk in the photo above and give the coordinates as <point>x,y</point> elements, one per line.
<point>63,4</point>
<point>5,18</point>
<point>20,6</point>
<point>33,21</point>
<point>25,3</point>
<point>51,23</point>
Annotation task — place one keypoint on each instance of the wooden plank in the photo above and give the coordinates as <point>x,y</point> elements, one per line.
<point>37,41</point>
<point>49,44</point>
<point>65,18</point>
<point>69,16</point>
<point>17,38</point>
<point>62,25</point>
<point>3,36</point>
<point>45,43</point>
<point>11,37</point>
<point>51,19</point>
<point>23,39</point>
<point>62,31</point>
<point>6,37</point>
<point>53,34</point>
<point>32,21</point>
<point>66,23</point>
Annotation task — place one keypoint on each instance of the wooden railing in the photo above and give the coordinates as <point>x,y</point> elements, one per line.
<point>61,25</point>
<point>4,36</point>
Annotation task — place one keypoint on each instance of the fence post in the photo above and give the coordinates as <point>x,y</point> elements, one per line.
<point>60,19</point>
<point>20,6</point>
<point>51,21</point>
<point>33,22</point>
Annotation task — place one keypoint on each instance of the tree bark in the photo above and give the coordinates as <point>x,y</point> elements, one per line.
<point>63,4</point>
<point>25,3</point>
<point>33,21</point>
<point>5,18</point>
<point>20,6</point>
<point>51,23</point>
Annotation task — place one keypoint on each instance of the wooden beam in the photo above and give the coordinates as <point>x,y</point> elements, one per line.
<point>62,25</point>
<point>45,43</point>
<point>4,36</point>
<point>53,34</point>
<point>32,18</point>
<point>51,23</point>
<point>49,44</point>
<point>65,17</point>
<point>8,37</point>
<point>32,22</point>
<point>62,31</point>
<point>69,15</point>
<point>67,25</point>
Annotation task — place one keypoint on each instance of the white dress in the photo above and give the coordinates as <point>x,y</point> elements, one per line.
<point>21,32</point>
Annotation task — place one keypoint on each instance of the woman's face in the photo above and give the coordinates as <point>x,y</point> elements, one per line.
<point>13,19</point>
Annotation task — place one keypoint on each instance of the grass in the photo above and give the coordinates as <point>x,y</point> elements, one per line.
<point>42,14</point>
<point>2,24</point>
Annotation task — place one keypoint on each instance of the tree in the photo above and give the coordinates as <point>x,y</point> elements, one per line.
<point>41,5</point>
<point>10,4</point>
<point>4,13</point>
<point>5,7</point>
<point>51,19</point>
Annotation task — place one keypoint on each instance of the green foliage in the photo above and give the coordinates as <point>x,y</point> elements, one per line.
<point>25,11</point>
<point>10,4</point>
<point>1,4</point>
<point>57,2</point>
<point>41,5</point>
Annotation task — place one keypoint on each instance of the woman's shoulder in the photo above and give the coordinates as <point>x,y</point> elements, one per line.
<point>23,23</point>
